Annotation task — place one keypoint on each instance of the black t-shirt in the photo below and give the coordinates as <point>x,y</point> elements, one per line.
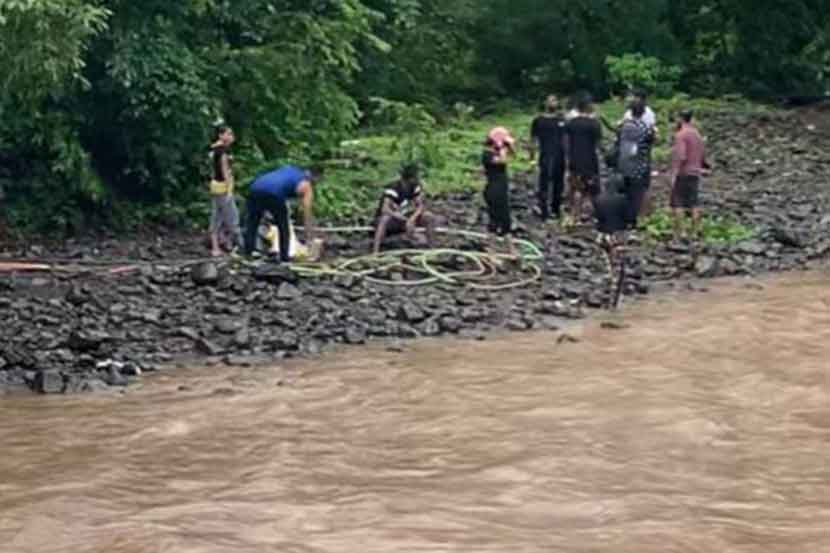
<point>400,194</point>
<point>216,154</point>
<point>584,136</point>
<point>496,172</point>
<point>549,131</point>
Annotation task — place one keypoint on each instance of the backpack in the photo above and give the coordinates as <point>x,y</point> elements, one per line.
<point>630,137</point>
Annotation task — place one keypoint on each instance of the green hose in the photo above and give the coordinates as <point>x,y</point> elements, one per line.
<point>423,262</point>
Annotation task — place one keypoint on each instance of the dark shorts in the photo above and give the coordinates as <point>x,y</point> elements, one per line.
<point>584,184</point>
<point>685,193</point>
<point>497,196</point>
<point>395,227</point>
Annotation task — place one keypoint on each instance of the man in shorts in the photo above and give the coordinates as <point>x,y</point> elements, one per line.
<point>688,163</point>
<point>583,137</point>
<point>391,217</point>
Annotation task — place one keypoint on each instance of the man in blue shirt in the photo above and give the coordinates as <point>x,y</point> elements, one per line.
<point>270,192</point>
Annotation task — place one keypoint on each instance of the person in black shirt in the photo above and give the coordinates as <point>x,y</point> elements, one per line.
<point>391,216</point>
<point>584,134</point>
<point>497,192</point>
<point>547,132</point>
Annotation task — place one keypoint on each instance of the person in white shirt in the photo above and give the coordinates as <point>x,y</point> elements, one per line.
<point>648,117</point>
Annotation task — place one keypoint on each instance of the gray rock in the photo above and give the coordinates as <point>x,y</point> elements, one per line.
<point>242,339</point>
<point>228,326</point>
<point>411,313</point>
<point>706,267</point>
<point>288,341</point>
<point>187,332</point>
<point>49,382</point>
<point>355,335</point>
<point>288,291</point>
<point>450,324</point>
<point>87,340</point>
<point>431,328</point>
<point>751,247</point>
<point>205,274</point>
<point>207,347</point>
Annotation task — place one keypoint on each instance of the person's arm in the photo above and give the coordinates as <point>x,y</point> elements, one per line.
<point>227,176</point>
<point>307,193</point>
<point>390,209</point>
<point>678,158</point>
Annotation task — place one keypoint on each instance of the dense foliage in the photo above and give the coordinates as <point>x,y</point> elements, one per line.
<point>107,105</point>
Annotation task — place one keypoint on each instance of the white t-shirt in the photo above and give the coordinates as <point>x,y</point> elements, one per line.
<point>648,117</point>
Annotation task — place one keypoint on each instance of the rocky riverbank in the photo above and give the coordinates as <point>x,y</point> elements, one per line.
<point>99,326</point>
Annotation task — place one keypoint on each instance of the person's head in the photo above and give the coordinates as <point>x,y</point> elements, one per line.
<point>551,104</point>
<point>314,174</point>
<point>224,134</point>
<point>640,95</point>
<point>410,174</point>
<point>684,117</point>
<point>585,103</point>
<point>638,109</point>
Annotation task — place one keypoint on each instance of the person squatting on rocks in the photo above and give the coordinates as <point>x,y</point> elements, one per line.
<point>547,133</point>
<point>633,146</point>
<point>224,217</point>
<point>391,217</point>
<point>269,193</point>
<point>688,161</point>
<point>584,135</point>
<point>498,148</point>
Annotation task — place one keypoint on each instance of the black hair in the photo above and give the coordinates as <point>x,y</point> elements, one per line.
<point>638,109</point>
<point>584,101</point>
<point>315,173</point>
<point>410,171</point>
<point>640,94</point>
<point>686,115</point>
<point>219,130</point>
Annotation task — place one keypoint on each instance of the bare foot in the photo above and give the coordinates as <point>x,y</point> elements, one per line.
<point>216,253</point>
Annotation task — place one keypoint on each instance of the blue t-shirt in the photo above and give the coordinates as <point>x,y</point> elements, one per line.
<point>282,182</point>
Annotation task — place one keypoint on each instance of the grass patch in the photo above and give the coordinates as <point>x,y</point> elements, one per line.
<point>715,229</point>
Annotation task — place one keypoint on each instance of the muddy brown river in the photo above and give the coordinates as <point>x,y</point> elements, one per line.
<point>702,427</point>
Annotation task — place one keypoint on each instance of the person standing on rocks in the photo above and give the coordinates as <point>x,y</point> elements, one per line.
<point>390,218</point>
<point>270,193</point>
<point>498,147</point>
<point>584,134</point>
<point>547,133</point>
<point>634,141</point>
<point>224,217</point>
<point>687,165</point>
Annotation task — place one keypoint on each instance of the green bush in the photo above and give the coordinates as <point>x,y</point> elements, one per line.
<point>638,71</point>
<point>716,229</point>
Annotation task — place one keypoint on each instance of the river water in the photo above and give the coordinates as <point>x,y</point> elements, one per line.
<point>702,427</point>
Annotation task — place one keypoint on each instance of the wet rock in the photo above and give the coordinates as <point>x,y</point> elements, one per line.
<point>187,332</point>
<point>355,336</point>
<point>706,266</point>
<point>450,324</point>
<point>205,274</point>
<point>288,341</point>
<point>789,238</point>
<point>227,326</point>
<point>555,308</point>
<point>242,339</point>
<point>114,378</point>
<point>207,347</point>
<point>288,291</point>
<point>752,247</point>
<point>411,313</point>
<point>275,274</point>
<point>49,382</point>
<point>614,325</point>
<point>346,281</point>
<point>87,340</point>
<point>431,328</point>
<point>567,339</point>
<point>517,324</point>
<point>76,296</point>
<point>93,386</point>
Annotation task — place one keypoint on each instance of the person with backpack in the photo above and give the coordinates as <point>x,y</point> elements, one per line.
<point>547,133</point>
<point>634,142</point>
